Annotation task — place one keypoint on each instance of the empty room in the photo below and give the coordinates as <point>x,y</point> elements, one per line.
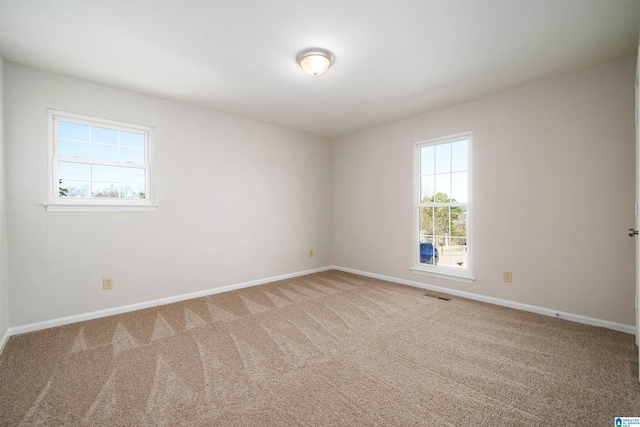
<point>319,213</point>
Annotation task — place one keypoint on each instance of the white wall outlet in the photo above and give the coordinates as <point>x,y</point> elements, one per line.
<point>311,253</point>
<point>107,283</point>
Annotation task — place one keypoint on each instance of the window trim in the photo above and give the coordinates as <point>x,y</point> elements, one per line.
<point>442,272</point>
<point>55,203</point>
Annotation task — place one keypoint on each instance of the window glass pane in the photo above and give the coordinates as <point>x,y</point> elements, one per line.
<point>454,249</point>
<point>443,158</point>
<point>74,149</point>
<point>458,222</point>
<point>70,188</point>
<point>115,190</point>
<point>132,175</point>
<point>453,253</point>
<point>73,131</point>
<point>427,159</point>
<point>459,156</point>
<point>426,223</point>
<point>459,187</point>
<point>444,255</point>
<point>459,253</point>
<point>113,174</point>
<point>107,136</point>
<point>129,139</point>
<point>69,170</point>
<point>135,191</point>
<point>427,188</point>
<point>105,173</point>
<point>429,253</point>
<point>443,188</point>
<point>131,155</point>
<point>441,221</point>
<point>110,190</point>
<point>104,152</point>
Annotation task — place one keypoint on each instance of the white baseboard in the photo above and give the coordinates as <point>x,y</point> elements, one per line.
<point>60,321</point>
<point>3,341</point>
<point>147,304</point>
<point>630,329</point>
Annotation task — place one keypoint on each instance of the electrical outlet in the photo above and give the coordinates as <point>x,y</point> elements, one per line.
<point>507,276</point>
<point>107,283</point>
<point>311,253</point>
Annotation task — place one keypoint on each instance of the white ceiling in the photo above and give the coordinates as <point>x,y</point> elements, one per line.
<point>394,58</point>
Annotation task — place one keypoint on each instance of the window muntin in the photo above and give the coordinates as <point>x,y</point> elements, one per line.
<point>442,239</point>
<point>95,161</point>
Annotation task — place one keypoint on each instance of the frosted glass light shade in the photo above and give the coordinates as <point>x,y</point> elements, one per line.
<point>315,61</point>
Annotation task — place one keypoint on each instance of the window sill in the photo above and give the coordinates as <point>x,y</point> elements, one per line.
<point>98,207</point>
<point>452,275</point>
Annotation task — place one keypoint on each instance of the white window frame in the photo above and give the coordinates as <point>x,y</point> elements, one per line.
<point>57,203</point>
<point>443,272</point>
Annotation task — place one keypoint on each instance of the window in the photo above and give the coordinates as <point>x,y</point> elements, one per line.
<point>97,164</point>
<point>442,242</point>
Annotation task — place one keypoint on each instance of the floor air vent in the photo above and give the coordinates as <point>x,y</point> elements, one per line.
<point>437,297</point>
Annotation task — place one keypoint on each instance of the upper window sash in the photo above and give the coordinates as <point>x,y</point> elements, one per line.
<point>443,168</point>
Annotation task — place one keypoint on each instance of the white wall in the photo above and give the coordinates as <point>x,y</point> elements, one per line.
<point>238,201</point>
<point>553,188</point>
<point>4,275</point>
<point>241,200</point>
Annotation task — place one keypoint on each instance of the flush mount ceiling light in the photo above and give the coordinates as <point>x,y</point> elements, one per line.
<point>315,60</point>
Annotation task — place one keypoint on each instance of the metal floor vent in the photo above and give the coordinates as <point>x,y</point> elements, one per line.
<point>437,297</point>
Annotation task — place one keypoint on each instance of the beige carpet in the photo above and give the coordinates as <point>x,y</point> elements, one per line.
<point>325,349</point>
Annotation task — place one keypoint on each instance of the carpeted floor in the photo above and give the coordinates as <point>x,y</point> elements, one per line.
<point>328,349</point>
